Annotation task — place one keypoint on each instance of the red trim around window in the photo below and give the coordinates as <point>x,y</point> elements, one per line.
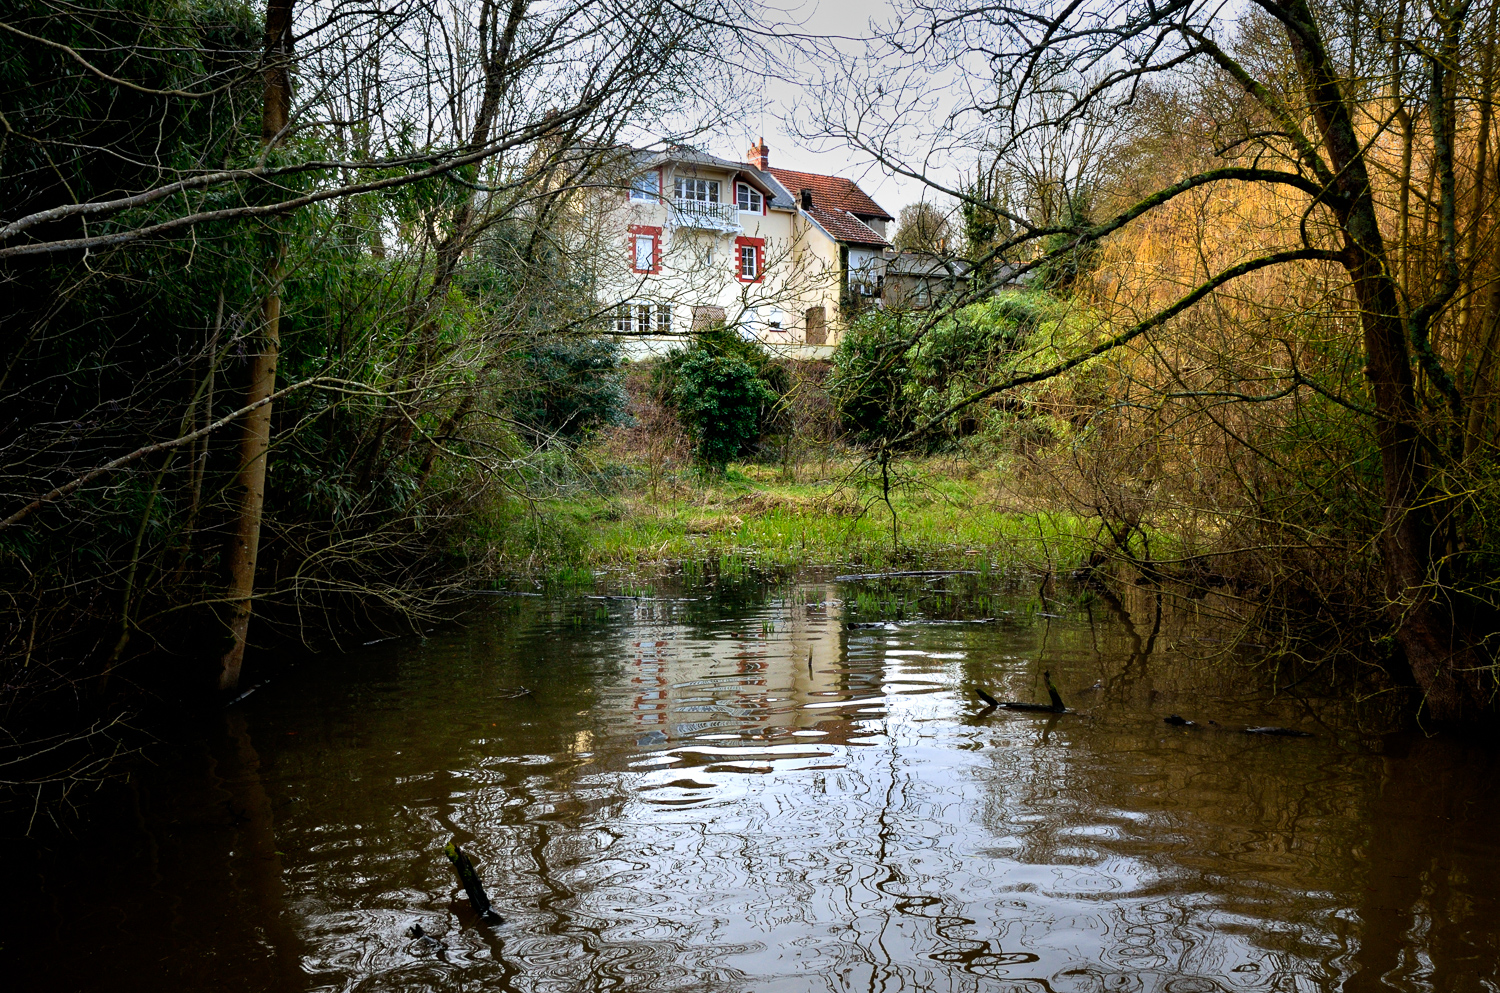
<point>655,235</point>
<point>759,244</point>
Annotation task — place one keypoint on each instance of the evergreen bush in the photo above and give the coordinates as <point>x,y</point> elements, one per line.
<point>721,400</point>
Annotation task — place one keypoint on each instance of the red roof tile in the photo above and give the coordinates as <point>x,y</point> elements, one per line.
<point>830,192</point>
<point>844,226</point>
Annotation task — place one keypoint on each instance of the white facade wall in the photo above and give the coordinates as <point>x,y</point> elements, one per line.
<point>678,257</point>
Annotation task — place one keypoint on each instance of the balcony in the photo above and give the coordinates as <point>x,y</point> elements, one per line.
<point>702,214</point>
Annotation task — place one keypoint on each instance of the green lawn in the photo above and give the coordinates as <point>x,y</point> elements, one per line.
<point>935,518</point>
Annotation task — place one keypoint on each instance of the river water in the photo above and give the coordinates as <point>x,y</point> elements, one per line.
<point>745,792</point>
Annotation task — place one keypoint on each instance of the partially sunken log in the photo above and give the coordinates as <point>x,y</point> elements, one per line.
<point>1057,700</point>
<point>1055,707</point>
<point>478,899</point>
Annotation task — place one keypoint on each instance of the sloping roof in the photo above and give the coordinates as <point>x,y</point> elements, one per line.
<point>688,155</point>
<point>696,156</point>
<point>831,192</point>
<point>844,226</point>
<point>838,203</point>
<point>926,264</point>
<point>781,197</point>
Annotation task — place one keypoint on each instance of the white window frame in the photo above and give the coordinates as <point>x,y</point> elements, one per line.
<point>748,198</point>
<point>696,190</point>
<point>752,254</point>
<point>643,317</point>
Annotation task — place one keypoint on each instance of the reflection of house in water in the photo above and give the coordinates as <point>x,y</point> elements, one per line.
<point>744,679</point>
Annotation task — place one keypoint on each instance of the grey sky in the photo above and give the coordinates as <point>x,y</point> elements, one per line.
<point>842,18</point>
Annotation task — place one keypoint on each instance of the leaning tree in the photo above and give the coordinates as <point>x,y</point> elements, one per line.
<point>1368,124</point>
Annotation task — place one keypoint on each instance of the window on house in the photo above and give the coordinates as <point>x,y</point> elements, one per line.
<point>646,186</point>
<point>705,318</point>
<point>817,326</point>
<point>642,317</point>
<point>748,197</point>
<point>749,262</point>
<point>645,249</point>
<point>697,190</point>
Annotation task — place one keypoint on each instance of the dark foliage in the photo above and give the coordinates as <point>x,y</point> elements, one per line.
<point>570,387</point>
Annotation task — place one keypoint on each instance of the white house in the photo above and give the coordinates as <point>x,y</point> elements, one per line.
<point>783,255</point>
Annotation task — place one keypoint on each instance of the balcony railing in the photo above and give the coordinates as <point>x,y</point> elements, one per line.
<point>700,214</point>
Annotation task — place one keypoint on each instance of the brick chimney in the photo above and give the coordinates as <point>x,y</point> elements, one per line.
<point>759,155</point>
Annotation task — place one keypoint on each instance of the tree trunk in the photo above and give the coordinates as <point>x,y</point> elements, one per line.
<point>255,434</point>
<point>1444,664</point>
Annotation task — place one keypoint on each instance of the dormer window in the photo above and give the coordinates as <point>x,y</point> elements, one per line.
<point>748,197</point>
<point>646,186</point>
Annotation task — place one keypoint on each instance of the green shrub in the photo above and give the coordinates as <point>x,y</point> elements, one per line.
<point>1073,263</point>
<point>725,390</point>
<point>570,386</point>
<point>721,401</point>
<point>870,373</point>
<point>725,343</point>
<point>884,385</point>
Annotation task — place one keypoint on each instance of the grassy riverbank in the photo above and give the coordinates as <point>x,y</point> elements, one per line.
<point>938,515</point>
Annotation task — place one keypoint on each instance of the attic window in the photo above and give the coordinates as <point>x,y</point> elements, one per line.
<point>748,197</point>
<point>646,186</point>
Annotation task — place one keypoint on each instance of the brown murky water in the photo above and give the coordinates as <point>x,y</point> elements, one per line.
<point>699,794</point>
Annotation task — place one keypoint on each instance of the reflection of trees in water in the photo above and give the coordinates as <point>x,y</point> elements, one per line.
<point>1428,910</point>
<point>1278,840</point>
<point>1122,685</point>
<point>175,875</point>
<point>1189,842</point>
<point>1140,851</point>
<point>1245,848</point>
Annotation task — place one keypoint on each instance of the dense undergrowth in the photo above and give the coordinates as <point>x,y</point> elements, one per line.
<point>834,515</point>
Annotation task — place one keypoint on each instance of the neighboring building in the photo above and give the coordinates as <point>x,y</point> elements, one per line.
<point>917,280</point>
<point>782,255</point>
